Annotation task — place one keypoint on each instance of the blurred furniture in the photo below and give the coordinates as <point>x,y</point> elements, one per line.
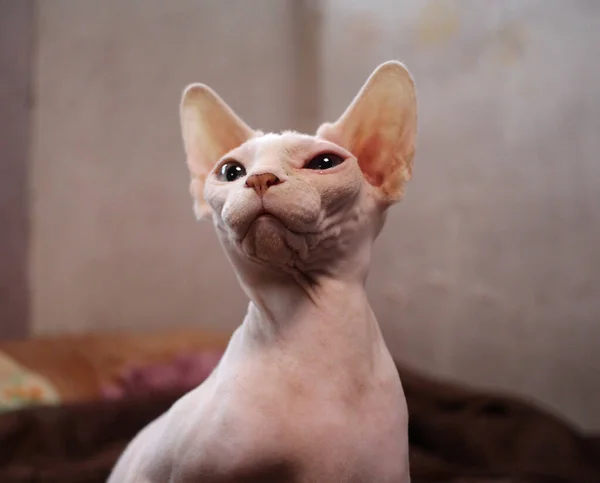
<point>79,366</point>
<point>457,434</point>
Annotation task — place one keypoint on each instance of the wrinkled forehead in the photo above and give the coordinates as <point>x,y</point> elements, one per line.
<point>287,145</point>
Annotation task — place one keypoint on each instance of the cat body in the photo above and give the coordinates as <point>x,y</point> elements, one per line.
<point>306,390</point>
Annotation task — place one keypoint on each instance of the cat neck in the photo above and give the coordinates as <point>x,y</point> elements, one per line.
<point>329,317</point>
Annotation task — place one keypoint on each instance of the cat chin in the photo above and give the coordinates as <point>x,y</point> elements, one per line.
<point>269,241</point>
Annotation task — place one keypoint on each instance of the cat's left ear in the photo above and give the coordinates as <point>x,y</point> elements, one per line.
<point>210,130</point>
<point>379,128</point>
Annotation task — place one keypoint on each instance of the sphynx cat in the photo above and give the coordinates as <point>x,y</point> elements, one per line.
<point>306,391</point>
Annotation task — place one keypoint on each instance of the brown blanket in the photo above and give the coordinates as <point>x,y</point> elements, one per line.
<point>457,435</point>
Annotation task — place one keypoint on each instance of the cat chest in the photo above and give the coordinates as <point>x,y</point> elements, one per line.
<point>286,442</point>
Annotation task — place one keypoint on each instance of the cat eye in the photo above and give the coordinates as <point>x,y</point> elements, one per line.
<point>324,161</point>
<point>231,170</point>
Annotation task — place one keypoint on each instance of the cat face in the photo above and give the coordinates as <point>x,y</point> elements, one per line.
<point>288,199</point>
<point>300,202</point>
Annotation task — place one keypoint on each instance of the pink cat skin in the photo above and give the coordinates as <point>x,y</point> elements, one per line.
<point>306,391</point>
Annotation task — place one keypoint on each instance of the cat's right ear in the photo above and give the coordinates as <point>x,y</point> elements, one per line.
<point>210,130</point>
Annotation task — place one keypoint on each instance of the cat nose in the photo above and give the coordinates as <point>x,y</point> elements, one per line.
<point>262,182</point>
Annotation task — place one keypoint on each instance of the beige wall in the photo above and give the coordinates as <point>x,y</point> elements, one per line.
<point>489,272</point>
<point>115,244</point>
<point>16,43</point>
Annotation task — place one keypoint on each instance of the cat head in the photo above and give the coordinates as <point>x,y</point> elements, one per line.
<point>299,202</point>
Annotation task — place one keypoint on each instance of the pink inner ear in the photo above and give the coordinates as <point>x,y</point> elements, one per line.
<point>382,165</point>
<point>375,158</point>
<point>369,156</point>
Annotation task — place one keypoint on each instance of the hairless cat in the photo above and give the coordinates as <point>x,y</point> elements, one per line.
<point>306,391</point>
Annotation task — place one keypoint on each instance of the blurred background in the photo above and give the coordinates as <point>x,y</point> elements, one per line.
<point>488,273</point>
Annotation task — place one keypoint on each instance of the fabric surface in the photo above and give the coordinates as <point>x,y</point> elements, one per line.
<point>83,367</point>
<point>184,372</point>
<point>20,387</point>
<point>457,435</point>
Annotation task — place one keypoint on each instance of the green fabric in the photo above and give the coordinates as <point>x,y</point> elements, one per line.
<point>20,387</point>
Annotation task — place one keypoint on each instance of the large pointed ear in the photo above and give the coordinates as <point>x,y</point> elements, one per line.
<point>210,130</point>
<point>379,128</point>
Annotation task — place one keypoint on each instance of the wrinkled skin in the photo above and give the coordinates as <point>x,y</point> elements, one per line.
<point>312,221</point>
<point>306,390</point>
